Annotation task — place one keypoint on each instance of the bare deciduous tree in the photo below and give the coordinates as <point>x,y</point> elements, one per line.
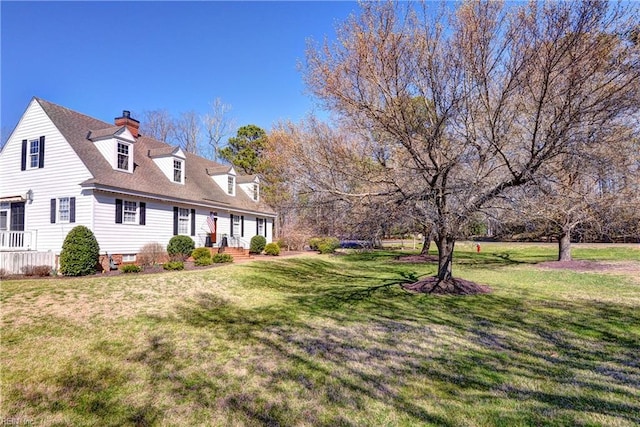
<point>158,124</point>
<point>458,114</point>
<point>217,125</point>
<point>188,132</point>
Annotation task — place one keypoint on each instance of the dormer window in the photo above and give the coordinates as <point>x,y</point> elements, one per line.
<point>123,156</point>
<point>256,193</point>
<point>231,184</point>
<point>177,171</point>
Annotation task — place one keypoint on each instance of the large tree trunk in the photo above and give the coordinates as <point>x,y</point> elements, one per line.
<point>427,233</point>
<point>445,257</point>
<point>564,246</point>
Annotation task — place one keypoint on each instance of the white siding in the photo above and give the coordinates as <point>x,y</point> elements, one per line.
<point>166,166</point>
<point>130,238</point>
<point>108,150</point>
<point>248,188</point>
<point>60,177</point>
<point>223,182</point>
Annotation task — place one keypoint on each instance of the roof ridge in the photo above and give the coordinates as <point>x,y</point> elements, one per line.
<point>62,107</point>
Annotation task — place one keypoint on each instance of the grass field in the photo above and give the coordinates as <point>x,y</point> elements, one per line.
<point>326,340</point>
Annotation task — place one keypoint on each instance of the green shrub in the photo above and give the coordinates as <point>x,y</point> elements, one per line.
<point>201,262</point>
<point>221,258</point>
<point>314,242</point>
<point>180,247</point>
<point>272,249</point>
<point>130,268</point>
<point>173,265</point>
<point>80,252</point>
<point>201,255</point>
<point>257,244</point>
<point>326,245</point>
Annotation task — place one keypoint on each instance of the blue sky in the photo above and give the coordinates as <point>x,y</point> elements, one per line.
<point>100,58</point>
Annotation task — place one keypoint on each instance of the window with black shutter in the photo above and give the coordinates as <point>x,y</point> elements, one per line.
<point>193,222</point>
<point>72,209</point>
<point>143,213</point>
<point>118,211</point>
<point>53,211</point>
<point>175,220</point>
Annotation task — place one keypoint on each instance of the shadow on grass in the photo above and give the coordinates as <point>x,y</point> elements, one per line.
<point>343,345</point>
<point>376,342</point>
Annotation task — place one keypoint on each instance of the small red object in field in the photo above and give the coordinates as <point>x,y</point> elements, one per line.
<point>478,248</point>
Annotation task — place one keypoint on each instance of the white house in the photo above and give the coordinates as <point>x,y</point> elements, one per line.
<point>61,168</point>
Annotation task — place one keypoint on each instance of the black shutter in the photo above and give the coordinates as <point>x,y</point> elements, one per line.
<point>72,209</point>
<point>23,165</point>
<point>193,222</point>
<point>242,226</point>
<point>231,228</point>
<point>143,213</point>
<point>53,211</point>
<point>41,154</point>
<point>175,220</point>
<point>257,228</point>
<point>118,211</point>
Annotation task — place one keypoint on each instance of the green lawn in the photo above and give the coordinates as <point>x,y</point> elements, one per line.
<point>318,340</point>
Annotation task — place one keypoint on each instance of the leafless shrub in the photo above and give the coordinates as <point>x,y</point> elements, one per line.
<point>151,254</point>
<point>293,238</point>
<point>42,270</point>
<point>28,270</point>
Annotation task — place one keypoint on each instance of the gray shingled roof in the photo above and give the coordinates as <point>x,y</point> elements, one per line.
<point>146,178</point>
<point>244,179</point>
<point>105,133</point>
<point>165,151</point>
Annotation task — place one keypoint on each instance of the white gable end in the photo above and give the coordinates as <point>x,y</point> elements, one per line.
<point>60,177</point>
<point>252,188</point>
<point>223,181</point>
<point>172,164</point>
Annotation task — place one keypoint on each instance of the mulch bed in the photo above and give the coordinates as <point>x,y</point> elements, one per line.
<point>575,265</point>
<point>431,285</point>
<point>417,258</point>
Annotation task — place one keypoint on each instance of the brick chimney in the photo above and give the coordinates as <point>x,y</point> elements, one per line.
<point>132,124</point>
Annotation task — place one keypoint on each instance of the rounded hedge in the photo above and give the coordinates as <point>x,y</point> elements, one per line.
<point>173,265</point>
<point>180,246</point>
<point>201,256</point>
<point>272,249</point>
<point>257,244</point>
<point>201,253</point>
<point>222,258</point>
<point>80,252</point>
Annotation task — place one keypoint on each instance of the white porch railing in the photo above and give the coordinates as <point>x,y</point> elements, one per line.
<point>16,241</point>
<point>238,242</point>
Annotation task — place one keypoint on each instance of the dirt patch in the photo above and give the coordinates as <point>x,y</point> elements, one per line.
<point>417,258</point>
<point>431,285</point>
<point>617,267</point>
<point>575,265</point>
